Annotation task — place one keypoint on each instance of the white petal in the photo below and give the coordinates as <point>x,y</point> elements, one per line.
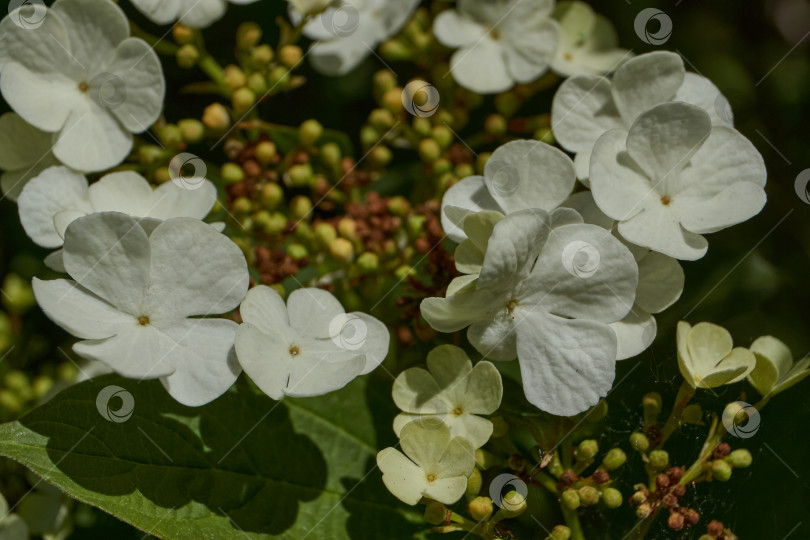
<point>484,389</point>
<point>480,67</point>
<point>312,312</point>
<point>645,81</point>
<point>264,308</point>
<point>204,360</point>
<point>523,175</point>
<point>663,140</point>
<point>453,30</point>
<point>513,247</point>
<point>55,190</point>
<point>92,139</point>
<point>532,48</point>
<point>127,192</point>
<point>774,360</point>
<point>136,69</point>
<point>702,92</point>
<point>194,271</point>
<point>108,253</point>
<point>660,282</point>
<point>340,55</point>
<point>495,338</point>
<point>469,194</point>
<point>658,228</point>
<point>93,29</point>
<point>416,391</point>
<point>375,340</point>
<point>265,357</point>
<point>79,311</point>
<point>139,353</point>
<point>425,446</point>
<point>401,476</point>
<point>634,333</point>
<point>566,365</point>
<point>460,310</point>
<point>202,13</point>
<point>586,207</point>
<point>170,200</point>
<point>582,110</point>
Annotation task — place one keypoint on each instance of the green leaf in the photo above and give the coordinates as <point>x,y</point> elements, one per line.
<point>299,468</point>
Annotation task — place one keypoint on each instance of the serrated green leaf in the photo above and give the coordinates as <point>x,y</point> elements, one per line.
<point>300,468</point>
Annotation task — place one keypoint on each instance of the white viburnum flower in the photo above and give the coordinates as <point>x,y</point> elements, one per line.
<point>775,371</point>
<point>545,295</point>
<point>191,13</point>
<point>589,44</point>
<point>51,201</point>
<point>349,30</point>
<point>434,465</point>
<point>135,292</point>
<point>706,358</point>
<point>308,7</point>
<point>450,391</point>
<point>25,151</point>
<point>674,177</point>
<point>587,106</point>
<point>13,527</point>
<point>81,76</point>
<point>500,43</point>
<point>46,510</point>
<point>308,347</point>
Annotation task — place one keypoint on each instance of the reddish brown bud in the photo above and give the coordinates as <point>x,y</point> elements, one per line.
<point>675,475</point>
<point>715,528</point>
<point>675,521</point>
<point>721,450</point>
<point>568,478</point>
<point>601,476</point>
<point>662,481</point>
<point>670,500</point>
<point>679,490</point>
<point>691,517</point>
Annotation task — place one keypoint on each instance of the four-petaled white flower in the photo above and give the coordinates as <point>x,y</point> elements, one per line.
<point>25,151</point>
<point>588,42</point>
<point>674,177</point>
<point>587,106</point>
<point>309,347</point>
<point>192,13</point>
<point>500,42</point>
<point>135,292</point>
<point>450,391</point>
<point>52,200</point>
<point>349,31</point>
<point>775,371</point>
<point>706,357</point>
<point>437,465</point>
<point>546,296</point>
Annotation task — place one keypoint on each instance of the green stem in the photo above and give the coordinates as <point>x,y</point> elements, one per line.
<point>546,481</point>
<point>685,394</point>
<point>160,45</point>
<point>572,522</point>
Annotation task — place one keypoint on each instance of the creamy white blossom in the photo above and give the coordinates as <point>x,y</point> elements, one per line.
<point>133,295</point>
<point>706,357</point>
<point>12,526</point>
<point>434,465</point>
<point>450,391</point>
<point>25,151</point>
<point>588,42</point>
<point>500,42</point>
<point>307,7</point>
<point>587,106</point>
<point>308,347</point>
<point>192,13</point>
<point>81,76</point>
<point>549,286</point>
<point>349,31</point>
<point>775,369</point>
<point>674,177</point>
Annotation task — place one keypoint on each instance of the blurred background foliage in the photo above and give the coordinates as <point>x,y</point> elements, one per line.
<point>755,279</point>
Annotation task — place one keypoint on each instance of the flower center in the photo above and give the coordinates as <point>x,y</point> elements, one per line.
<point>665,200</point>
<point>458,410</point>
<point>84,87</point>
<point>143,320</point>
<point>294,350</point>
<point>430,477</point>
<point>568,57</point>
<point>511,304</point>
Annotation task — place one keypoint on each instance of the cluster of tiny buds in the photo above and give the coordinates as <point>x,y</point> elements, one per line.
<point>667,494</point>
<point>715,530</point>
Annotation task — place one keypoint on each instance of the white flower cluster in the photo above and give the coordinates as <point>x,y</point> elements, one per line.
<point>439,428</point>
<point>567,282</point>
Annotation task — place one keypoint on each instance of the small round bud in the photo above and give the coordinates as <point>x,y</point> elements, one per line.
<point>436,513</point>
<point>369,136</point>
<point>290,55</point>
<point>300,207</point>
<point>381,156</point>
<point>187,56</point>
<point>560,532</point>
<point>182,34</point>
<point>242,205</point>
<point>381,119</point>
<point>588,495</point>
<point>347,227</point>
<point>659,459</point>
<point>512,505</point>
<point>261,56</point>
<point>485,460</point>
<point>662,481</point>
<point>721,450</point>
<point>234,77</point>
<point>192,131</point>
<point>570,499</point>
<point>691,517</point>
<point>651,403</point>
<point>612,497</point>
<point>331,154</point>
<point>480,508</point>
<point>18,296</point>
<point>279,77</point>
<point>232,173</point>
<point>707,537</point>
<point>325,233</point>
<point>422,126</point>
<point>740,458</point>
<point>721,471</point>
<point>149,153</point>
<point>216,117</point>
<point>300,175</point>
<point>309,132</point>
<point>474,483</point>
<point>258,83</point>
<point>395,50</point>
<point>601,476</point>
<point>614,459</point>
<point>368,262</point>
<point>297,251</point>
<point>675,474</point>
<point>392,100</point>
<point>384,80</point>
<point>638,497</point>
<point>495,124</point>
<point>643,510</point>
<point>675,521</point>
<point>42,385</point>
<point>463,170</point>
<point>429,150</point>
<point>587,450</point>
<point>265,152</point>
<point>442,135</point>
<point>271,196</point>
<point>679,490</point>
<point>342,250</point>
<point>403,272</point>
<point>715,528</point>
<point>639,442</point>
<point>243,99</point>
<point>276,224</point>
<point>248,35</point>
